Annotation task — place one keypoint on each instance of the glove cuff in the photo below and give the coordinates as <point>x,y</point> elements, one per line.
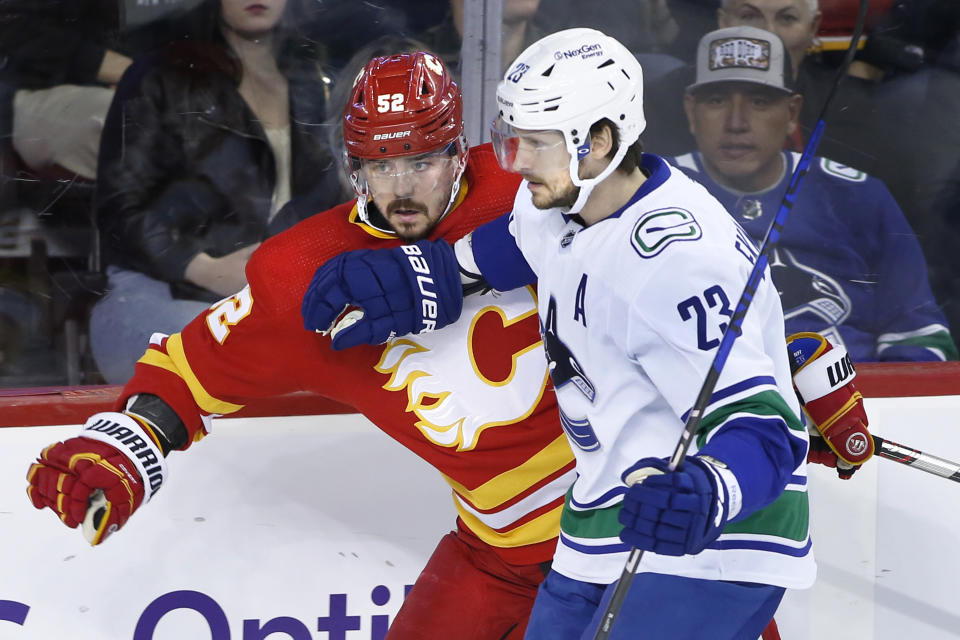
<point>125,434</point>
<point>725,478</point>
<point>828,371</point>
<point>434,276</point>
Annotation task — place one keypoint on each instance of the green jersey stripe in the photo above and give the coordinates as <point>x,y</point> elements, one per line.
<point>787,517</point>
<point>766,404</point>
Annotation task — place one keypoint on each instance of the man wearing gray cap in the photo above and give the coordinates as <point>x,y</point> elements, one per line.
<point>871,295</point>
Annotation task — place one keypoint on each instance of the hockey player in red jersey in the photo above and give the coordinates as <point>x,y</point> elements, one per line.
<point>473,400</point>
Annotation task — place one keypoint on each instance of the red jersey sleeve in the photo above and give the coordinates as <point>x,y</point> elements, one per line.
<point>252,344</point>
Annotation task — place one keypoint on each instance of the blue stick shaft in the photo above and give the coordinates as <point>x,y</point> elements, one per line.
<point>735,327</point>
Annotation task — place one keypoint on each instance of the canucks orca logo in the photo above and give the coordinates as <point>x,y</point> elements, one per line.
<point>563,365</point>
<point>804,290</point>
<point>580,432</point>
<point>565,369</point>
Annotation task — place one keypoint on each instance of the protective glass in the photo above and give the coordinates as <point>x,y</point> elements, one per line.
<point>528,150</point>
<point>421,172</point>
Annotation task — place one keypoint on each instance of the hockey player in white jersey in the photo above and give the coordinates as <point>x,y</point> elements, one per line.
<point>637,268</point>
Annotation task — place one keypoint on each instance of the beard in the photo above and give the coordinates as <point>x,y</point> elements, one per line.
<point>562,200</point>
<point>416,229</point>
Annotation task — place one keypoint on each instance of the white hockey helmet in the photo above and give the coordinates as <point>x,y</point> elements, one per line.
<point>568,81</point>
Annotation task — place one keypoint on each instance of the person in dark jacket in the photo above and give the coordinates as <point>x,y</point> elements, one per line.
<point>210,146</point>
<point>60,60</point>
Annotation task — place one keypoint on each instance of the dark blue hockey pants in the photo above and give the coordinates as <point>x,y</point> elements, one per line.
<point>657,607</point>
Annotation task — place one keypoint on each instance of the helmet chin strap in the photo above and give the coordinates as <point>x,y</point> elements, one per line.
<point>461,167</point>
<point>587,184</point>
<point>363,198</point>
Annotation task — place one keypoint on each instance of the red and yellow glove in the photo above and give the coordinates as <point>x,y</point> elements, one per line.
<point>97,478</point>
<point>823,377</point>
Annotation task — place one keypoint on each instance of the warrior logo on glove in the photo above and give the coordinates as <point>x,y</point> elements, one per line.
<point>823,377</point>
<point>96,478</point>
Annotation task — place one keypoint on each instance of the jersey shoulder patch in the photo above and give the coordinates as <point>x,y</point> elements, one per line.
<point>655,230</point>
<point>842,171</point>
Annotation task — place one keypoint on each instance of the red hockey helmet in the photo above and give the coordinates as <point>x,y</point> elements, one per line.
<point>403,105</point>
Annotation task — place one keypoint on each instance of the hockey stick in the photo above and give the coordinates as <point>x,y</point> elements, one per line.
<point>914,458</point>
<point>734,329</point>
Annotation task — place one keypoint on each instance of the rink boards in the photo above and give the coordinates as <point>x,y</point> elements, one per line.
<point>311,527</point>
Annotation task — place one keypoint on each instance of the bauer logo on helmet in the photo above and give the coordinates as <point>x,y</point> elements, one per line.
<point>392,136</point>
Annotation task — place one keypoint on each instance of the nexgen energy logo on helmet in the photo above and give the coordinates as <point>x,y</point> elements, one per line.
<point>586,51</point>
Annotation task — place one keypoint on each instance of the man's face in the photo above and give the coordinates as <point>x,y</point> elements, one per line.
<point>740,128</point>
<point>542,159</point>
<point>412,192</point>
<point>789,19</point>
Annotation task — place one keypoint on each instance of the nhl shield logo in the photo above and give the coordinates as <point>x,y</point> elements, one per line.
<point>655,230</point>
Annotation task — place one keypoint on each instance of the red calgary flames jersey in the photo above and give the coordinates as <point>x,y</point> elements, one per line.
<point>474,400</point>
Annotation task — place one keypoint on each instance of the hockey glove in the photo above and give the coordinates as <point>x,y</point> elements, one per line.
<point>413,288</point>
<point>674,513</point>
<point>101,471</point>
<point>823,377</point>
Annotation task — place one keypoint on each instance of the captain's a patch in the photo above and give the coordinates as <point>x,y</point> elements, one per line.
<point>655,230</point>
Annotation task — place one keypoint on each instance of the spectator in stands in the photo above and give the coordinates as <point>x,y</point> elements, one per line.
<point>900,100</point>
<point>204,147</point>
<point>847,264</point>
<point>795,21</point>
<point>63,58</point>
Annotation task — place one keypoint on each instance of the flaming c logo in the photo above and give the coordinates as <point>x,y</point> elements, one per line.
<point>486,370</point>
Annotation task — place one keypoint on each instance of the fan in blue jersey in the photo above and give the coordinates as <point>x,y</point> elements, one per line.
<point>848,264</point>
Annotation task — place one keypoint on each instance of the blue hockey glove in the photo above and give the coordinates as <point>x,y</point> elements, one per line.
<point>673,512</point>
<point>413,288</point>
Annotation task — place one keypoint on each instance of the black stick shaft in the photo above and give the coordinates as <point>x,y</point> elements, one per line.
<point>917,459</point>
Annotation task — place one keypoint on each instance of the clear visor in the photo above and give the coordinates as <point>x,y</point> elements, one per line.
<point>421,172</point>
<point>523,151</point>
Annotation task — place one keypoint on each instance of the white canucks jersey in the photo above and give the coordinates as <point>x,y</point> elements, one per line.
<point>632,309</point>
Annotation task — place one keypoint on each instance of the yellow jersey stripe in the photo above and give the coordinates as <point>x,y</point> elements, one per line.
<point>512,482</point>
<point>542,528</point>
<point>156,358</point>
<point>203,399</point>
